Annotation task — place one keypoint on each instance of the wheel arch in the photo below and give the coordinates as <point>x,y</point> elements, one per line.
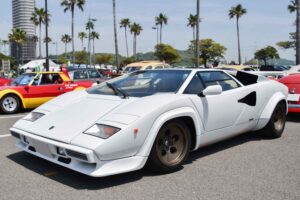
<point>269,108</point>
<point>187,114</point>
<point>13,92</point>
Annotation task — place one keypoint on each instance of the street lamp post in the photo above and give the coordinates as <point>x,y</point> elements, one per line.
<point>197,34</point>
<point>157,33</point>
<point>47,47</point>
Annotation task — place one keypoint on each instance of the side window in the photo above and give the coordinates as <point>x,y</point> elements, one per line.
<point>149,67</point>
<point>195,87</point>
<point>80,75</point>
<point>94,74</point>
<point>218,78</point>
<point>159,67</point>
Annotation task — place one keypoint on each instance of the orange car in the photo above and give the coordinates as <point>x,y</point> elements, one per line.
<point>30,90</point>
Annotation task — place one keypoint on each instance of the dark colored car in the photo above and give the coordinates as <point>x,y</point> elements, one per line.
<point>272,68</point>
<point>88,75</point>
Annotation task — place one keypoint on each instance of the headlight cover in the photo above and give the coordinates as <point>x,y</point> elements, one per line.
<point>33,116</point>
<point>102,131</point>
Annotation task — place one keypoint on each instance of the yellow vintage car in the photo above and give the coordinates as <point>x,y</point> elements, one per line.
<point>145,65</point>
<point>236,67</point>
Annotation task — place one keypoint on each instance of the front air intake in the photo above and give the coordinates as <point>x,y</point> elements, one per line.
<point>77,155</point>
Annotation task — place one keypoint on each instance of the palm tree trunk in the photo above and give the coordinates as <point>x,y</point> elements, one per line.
<point>194,38</point>
<point>134,45</point>
<point>126,41</point>
<point>40,41</point>
<point>298,34</point>
<point>116,35</point>
<point>18,56</point>
<point>82,44</point>
<point>238,37</point>
<point>197,34</point>
<point>65,50</point>
<point>94,53</point>
<point>73,43</point>
<point>161,33</point>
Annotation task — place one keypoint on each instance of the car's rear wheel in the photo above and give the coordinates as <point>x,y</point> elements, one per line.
<point>171,147</point>
<point>275,126</point>
<point>10,104</point>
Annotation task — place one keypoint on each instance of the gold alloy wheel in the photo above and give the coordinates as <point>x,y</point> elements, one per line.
<point>171,145</point>
<point>279,118</point>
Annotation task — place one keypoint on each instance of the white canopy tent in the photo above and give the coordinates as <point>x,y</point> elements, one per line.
<point>37,65</point>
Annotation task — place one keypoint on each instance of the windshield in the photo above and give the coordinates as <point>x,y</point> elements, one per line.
<point>24,79</point>
<point>143,83</point>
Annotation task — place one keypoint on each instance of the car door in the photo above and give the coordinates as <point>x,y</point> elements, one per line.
<point>224,110</point>
<point>45,87</point>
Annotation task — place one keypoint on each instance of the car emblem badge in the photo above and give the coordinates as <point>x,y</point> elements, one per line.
<point>52,127</point>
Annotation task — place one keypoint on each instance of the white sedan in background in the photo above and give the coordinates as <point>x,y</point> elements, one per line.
<point>152,117</point>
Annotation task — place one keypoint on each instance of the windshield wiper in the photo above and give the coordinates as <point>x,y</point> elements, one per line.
<point>117,90</point>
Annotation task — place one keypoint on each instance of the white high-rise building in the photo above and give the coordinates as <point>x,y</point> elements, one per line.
<point>22,11</point>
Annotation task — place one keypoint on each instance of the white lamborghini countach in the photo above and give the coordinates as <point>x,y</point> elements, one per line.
<point>152,118</point>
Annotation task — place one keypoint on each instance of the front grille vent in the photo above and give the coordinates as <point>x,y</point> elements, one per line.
<point>77,155</point>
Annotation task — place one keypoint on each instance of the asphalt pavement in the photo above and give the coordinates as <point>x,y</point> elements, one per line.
<point>245,167</point>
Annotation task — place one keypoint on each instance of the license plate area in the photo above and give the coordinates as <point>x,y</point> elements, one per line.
<point>42,148</point>
<point>293,97</point>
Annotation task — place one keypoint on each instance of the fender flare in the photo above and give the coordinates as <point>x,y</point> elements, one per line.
<point>10,91</point>
<point>269,108</point>
<point>161,120</point>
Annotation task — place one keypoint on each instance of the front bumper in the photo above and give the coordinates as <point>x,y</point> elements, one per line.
<point>73,157</point>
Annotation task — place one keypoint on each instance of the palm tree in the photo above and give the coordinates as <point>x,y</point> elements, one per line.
<point>161,20</point>
<point>136,30</point>
<point>18,37</point>
<point>66,39</point>
<point>116,35</point>
<point>70,5</point>
<point>125,23</point>
<point>39,18</point>
<point>94,36</point>
<point>48,39</point>
<point>89,26</point>
<point>192,22</point>
<point>5,42</point>
<point>82,36</point>
<point>293,7</point>
<point>237,12</point>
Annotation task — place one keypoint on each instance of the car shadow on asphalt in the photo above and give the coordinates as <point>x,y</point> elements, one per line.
<point>80,181</point>
<point>293,117</point>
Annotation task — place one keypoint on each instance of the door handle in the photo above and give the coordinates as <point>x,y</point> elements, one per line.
<point>60,88</point>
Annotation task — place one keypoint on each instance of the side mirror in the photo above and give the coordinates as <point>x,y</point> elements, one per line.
<point>211,90</point>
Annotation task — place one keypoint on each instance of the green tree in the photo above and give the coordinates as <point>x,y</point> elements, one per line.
<point>125,23</point>
<point>70,5</point>
<point>66,39</point>
<point>81,57</point>
<point>192,22</point>
<point>237,12</point>
<point>289,44</point>
<point>209,50</point>
<point>39,18</point>
<point>104,59</point>
<point>167,53</point>
<point>161,20</point>
<point>18,37</point>
<point>266,54</point>
<point>136,30</point>
<point>294,8</point>
<point>90,26</point>
<point>82,36</point>
<point>94,36</point>
<point>5,43</point>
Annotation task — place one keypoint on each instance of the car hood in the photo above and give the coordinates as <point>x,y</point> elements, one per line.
<point>291,79</point>
<point>73,118</point>
<point>7,87</point>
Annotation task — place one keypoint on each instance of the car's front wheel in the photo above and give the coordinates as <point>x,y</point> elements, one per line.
<point>9,104</point>
<point>171,147</point>
<point>275,126</point>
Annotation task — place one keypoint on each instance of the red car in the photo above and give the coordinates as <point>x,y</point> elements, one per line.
<point>30,90</point>
<point>293,83</point>
<point>5,81</point>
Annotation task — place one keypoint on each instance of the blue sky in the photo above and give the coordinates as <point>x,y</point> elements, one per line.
<point>266,23</point>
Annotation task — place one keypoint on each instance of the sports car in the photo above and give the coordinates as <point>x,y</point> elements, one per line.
<point>5,81</point>
<point>150,118</point>
<point>293,83</point>
<point>30,90</point>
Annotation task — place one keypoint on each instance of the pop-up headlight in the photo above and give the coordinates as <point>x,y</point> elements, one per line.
<point>33,116</point>
<point>102,131</point>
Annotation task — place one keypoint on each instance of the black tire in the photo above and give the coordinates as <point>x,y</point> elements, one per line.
<point>276,125</point>
<point>173,140</point>
<point>10,104</point>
